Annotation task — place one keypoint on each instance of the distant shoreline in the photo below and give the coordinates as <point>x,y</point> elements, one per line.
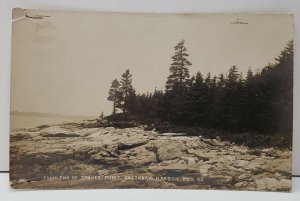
<point>49,115</point>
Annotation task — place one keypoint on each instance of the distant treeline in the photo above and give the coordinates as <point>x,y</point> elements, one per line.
<point>262,101</point>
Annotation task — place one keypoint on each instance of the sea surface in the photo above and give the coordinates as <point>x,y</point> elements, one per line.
<point>23,121</point>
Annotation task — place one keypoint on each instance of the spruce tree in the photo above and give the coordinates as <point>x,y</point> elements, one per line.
<point>285,99</point>
<point>231,99</point>
<point>180,67</point>
<point>128,93</point>
<point>114,95</point>
<point>177,85</point>
<point>218,113</point>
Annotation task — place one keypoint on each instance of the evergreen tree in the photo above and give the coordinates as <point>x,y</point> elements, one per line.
<point>195,103</point>
<point>233,77</point>
<point>284,105</point>
<point>114,95</point>
<point>218,113</point>
<point>212,97</point>
<point>249,74</point>
<point>177,85</point>
<point>157,104</point>
<point>179,68</point>
<point>221,81</point>
<point>128,93</point>
<point>253,100</point>
<point>231,99</point>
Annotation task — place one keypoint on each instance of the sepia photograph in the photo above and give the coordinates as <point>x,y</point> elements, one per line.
<point>150,100</point>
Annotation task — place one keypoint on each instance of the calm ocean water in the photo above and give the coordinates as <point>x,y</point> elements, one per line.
<point>18,121</point>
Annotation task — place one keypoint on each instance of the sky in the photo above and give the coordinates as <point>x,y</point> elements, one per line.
<point>65,62</point>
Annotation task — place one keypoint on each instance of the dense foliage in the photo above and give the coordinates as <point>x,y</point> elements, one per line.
<point>260,102</point>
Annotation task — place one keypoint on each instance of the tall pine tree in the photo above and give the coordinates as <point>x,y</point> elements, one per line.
<point>128,93</point>
<point>114,95</point>
<point>177,85</point>
<point>179,68</point>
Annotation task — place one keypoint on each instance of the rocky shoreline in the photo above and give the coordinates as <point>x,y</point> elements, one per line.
<point>84,155</point>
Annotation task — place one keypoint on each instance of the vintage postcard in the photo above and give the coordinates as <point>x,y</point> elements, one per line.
<point>133,100</point>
